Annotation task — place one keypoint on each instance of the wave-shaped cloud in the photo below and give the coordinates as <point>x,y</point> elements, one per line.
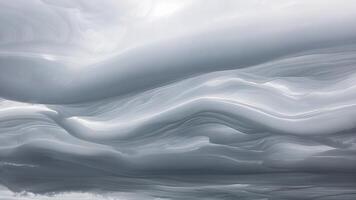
<point>177,100</point>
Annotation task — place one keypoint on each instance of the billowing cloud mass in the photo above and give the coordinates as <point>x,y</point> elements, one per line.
<point>177,99</point>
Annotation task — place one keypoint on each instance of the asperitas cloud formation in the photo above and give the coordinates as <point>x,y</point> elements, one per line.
<point>177,99</point>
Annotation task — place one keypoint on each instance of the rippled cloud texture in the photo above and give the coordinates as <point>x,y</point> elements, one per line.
<point>177,99</point>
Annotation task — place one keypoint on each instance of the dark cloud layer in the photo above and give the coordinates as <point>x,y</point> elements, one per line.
<point>155,100</point>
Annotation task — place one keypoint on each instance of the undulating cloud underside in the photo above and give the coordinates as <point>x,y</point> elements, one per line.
<point>177,99</point>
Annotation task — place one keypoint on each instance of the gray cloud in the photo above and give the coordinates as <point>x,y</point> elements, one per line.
<point>177,99</point>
